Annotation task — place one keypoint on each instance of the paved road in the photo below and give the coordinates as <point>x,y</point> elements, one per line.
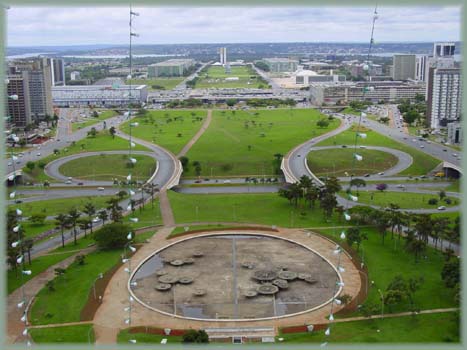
<point>52,169</point>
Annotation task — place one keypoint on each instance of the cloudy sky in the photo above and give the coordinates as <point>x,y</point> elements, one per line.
<point>72,26</point>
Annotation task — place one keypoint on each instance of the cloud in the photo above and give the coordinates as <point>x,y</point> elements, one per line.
<point>165,25</point>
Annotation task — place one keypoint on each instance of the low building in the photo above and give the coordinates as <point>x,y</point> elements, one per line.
<point>280,65</point>
<point>345,92</point>
<point>170,68</point>
<point>98,95</point>
<point>304,78</point>
<point>455,135</point>
<point>75,75</point>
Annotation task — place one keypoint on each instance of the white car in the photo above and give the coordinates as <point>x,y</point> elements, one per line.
<point>100,188</point>
<point>68,182</point>
<point>227,181</point>
<point>421,146</point>
<point>38,154</point>
<point>400,186</point>
<point>442,207</point>
<point>96,220</point>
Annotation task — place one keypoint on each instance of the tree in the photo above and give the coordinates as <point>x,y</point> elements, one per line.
<point>112,236</point>
<point>185,161</point>
<point>90,211</point>
<point>451,272</point>
<point>332,185</point>
<point>95,114</point>
<point>411,116</point>
<point>30,165</point>
<point>112,131</point>
<point>37,219</point>
<point>322,123</point>
<point>414,245</point>
<point>442,195</point>
<point>92,133</point>
<point>354,235</point>
<point>115,209</point>
<point>328,202</point>
<point>357,182</point>
<point>102,214</point>
<point>198,170</point>
<point>381,220</point>
<point>27,246</point>
<point>73,216</point>
<point>419,98</point>
<point>231,102</point>
<point>195,336</point>
<point>61,220</point>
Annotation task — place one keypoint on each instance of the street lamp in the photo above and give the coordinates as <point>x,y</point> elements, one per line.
<point>100,276</point>
<point>382,303</point>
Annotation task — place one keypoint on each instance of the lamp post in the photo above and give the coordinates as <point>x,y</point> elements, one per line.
<point>382,303</point>
<point>100,276</point>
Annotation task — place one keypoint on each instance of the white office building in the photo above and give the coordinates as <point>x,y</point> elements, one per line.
<point>98,95</point>
<point>421,68</point>
<point>403,67</point>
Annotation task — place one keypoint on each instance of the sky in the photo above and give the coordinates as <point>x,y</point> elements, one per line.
<point>37,26</point>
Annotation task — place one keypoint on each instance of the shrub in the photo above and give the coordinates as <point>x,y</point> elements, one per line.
<point>432,201</point>
<point>112,236</point>
<point>447,200</point>
<point>80,259</point>
<point>194,336</point>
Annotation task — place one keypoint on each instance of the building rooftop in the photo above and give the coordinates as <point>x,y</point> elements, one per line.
<point>172,62</point>
<point>278,59</point>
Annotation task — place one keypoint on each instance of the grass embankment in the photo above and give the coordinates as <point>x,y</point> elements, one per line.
<point>106,167</point>
<point>426,328</point>
<point>54,207</point>
<point>405,200</point>
<point>215,77</point>
<point>171,129</point>
<point>157,83</point>
<point>102,115</point>
<point>266,209</point>
<point>70,294</point>
<point>336,162</point>
<point>69,335</point>
<point>245,142</point>
<point>102,142</point>
<point>422,162</point>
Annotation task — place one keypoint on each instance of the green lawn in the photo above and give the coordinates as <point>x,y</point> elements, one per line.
<point>107,167</point>
<point>32,230</point>
<point>143,338</point>
<point>245,142</point>
<point>65,303</point>
<point>215,77</point>
<point>422,162</point>
<point>336,162</point>
<point>38,265</point>
<point>425,328</point>
<point>148,216</point>
<point>103,115</point>
<point>158,83</point>
<point>54,207</point>
<point>267,209</point>
<point>405,200</point>
<point>70,334</point>
<point>455,186</point>
<point>102,142</point>
<point>171,129</point>
<point>386,262</point>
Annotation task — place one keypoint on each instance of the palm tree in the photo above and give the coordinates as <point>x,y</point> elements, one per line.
<point>395,217</point>
<point>440,228</point>
<point>61,221</point>
<point>413,245</point>
<point>115,209</point>
<point>381,220</point>
<point>90,210</point>
<point>423,226</point>
<point>102,214</point>
<point>27,246</point>
<point>73,216</point>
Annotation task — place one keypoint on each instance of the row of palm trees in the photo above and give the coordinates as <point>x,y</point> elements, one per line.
<point>417,229</point>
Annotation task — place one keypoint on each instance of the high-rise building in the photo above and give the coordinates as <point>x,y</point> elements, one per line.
<point>444,49</point>
<point>421,67</point>
<point>19,112</point>
<point>444,96</point>
<point>57,70</point>
<point>36,77</point>
<point>455,133</point>
<point>403,67</point>
<point>223,55</point>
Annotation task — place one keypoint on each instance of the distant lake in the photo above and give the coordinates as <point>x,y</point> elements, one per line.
<point>27,55</point>
<point>117,56</point>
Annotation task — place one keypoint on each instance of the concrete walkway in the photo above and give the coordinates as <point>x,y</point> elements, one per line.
<point>195,138</point>
<point>166,210</point>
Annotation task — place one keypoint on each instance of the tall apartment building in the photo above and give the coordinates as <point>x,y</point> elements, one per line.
<point>444,96</point>
<point>421,65</point>
<point>32,79</point>
<point>223,55</point>
<point>403,67</point>
<point>57,70</point>
<point>19,111</point>
<point>444,88</point>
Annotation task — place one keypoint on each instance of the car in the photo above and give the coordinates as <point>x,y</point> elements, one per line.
<point>70,178</point>
<point>445,150</point>
<point>423,177</point>
<point>344,146</point>
<point>38,154</point>
<point>227,181</point>
<point>442,207</point>
<point>68,182</point>
<point>381,173</point>
<point>366,175</point>
<point>421,146</point>
<point>400,186</point>
<point>80,184</point>
<point>10,163</point>
<point>100,188</point>
<point>96,220</point>
<point>362,146</point>
<point>454,154</point>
